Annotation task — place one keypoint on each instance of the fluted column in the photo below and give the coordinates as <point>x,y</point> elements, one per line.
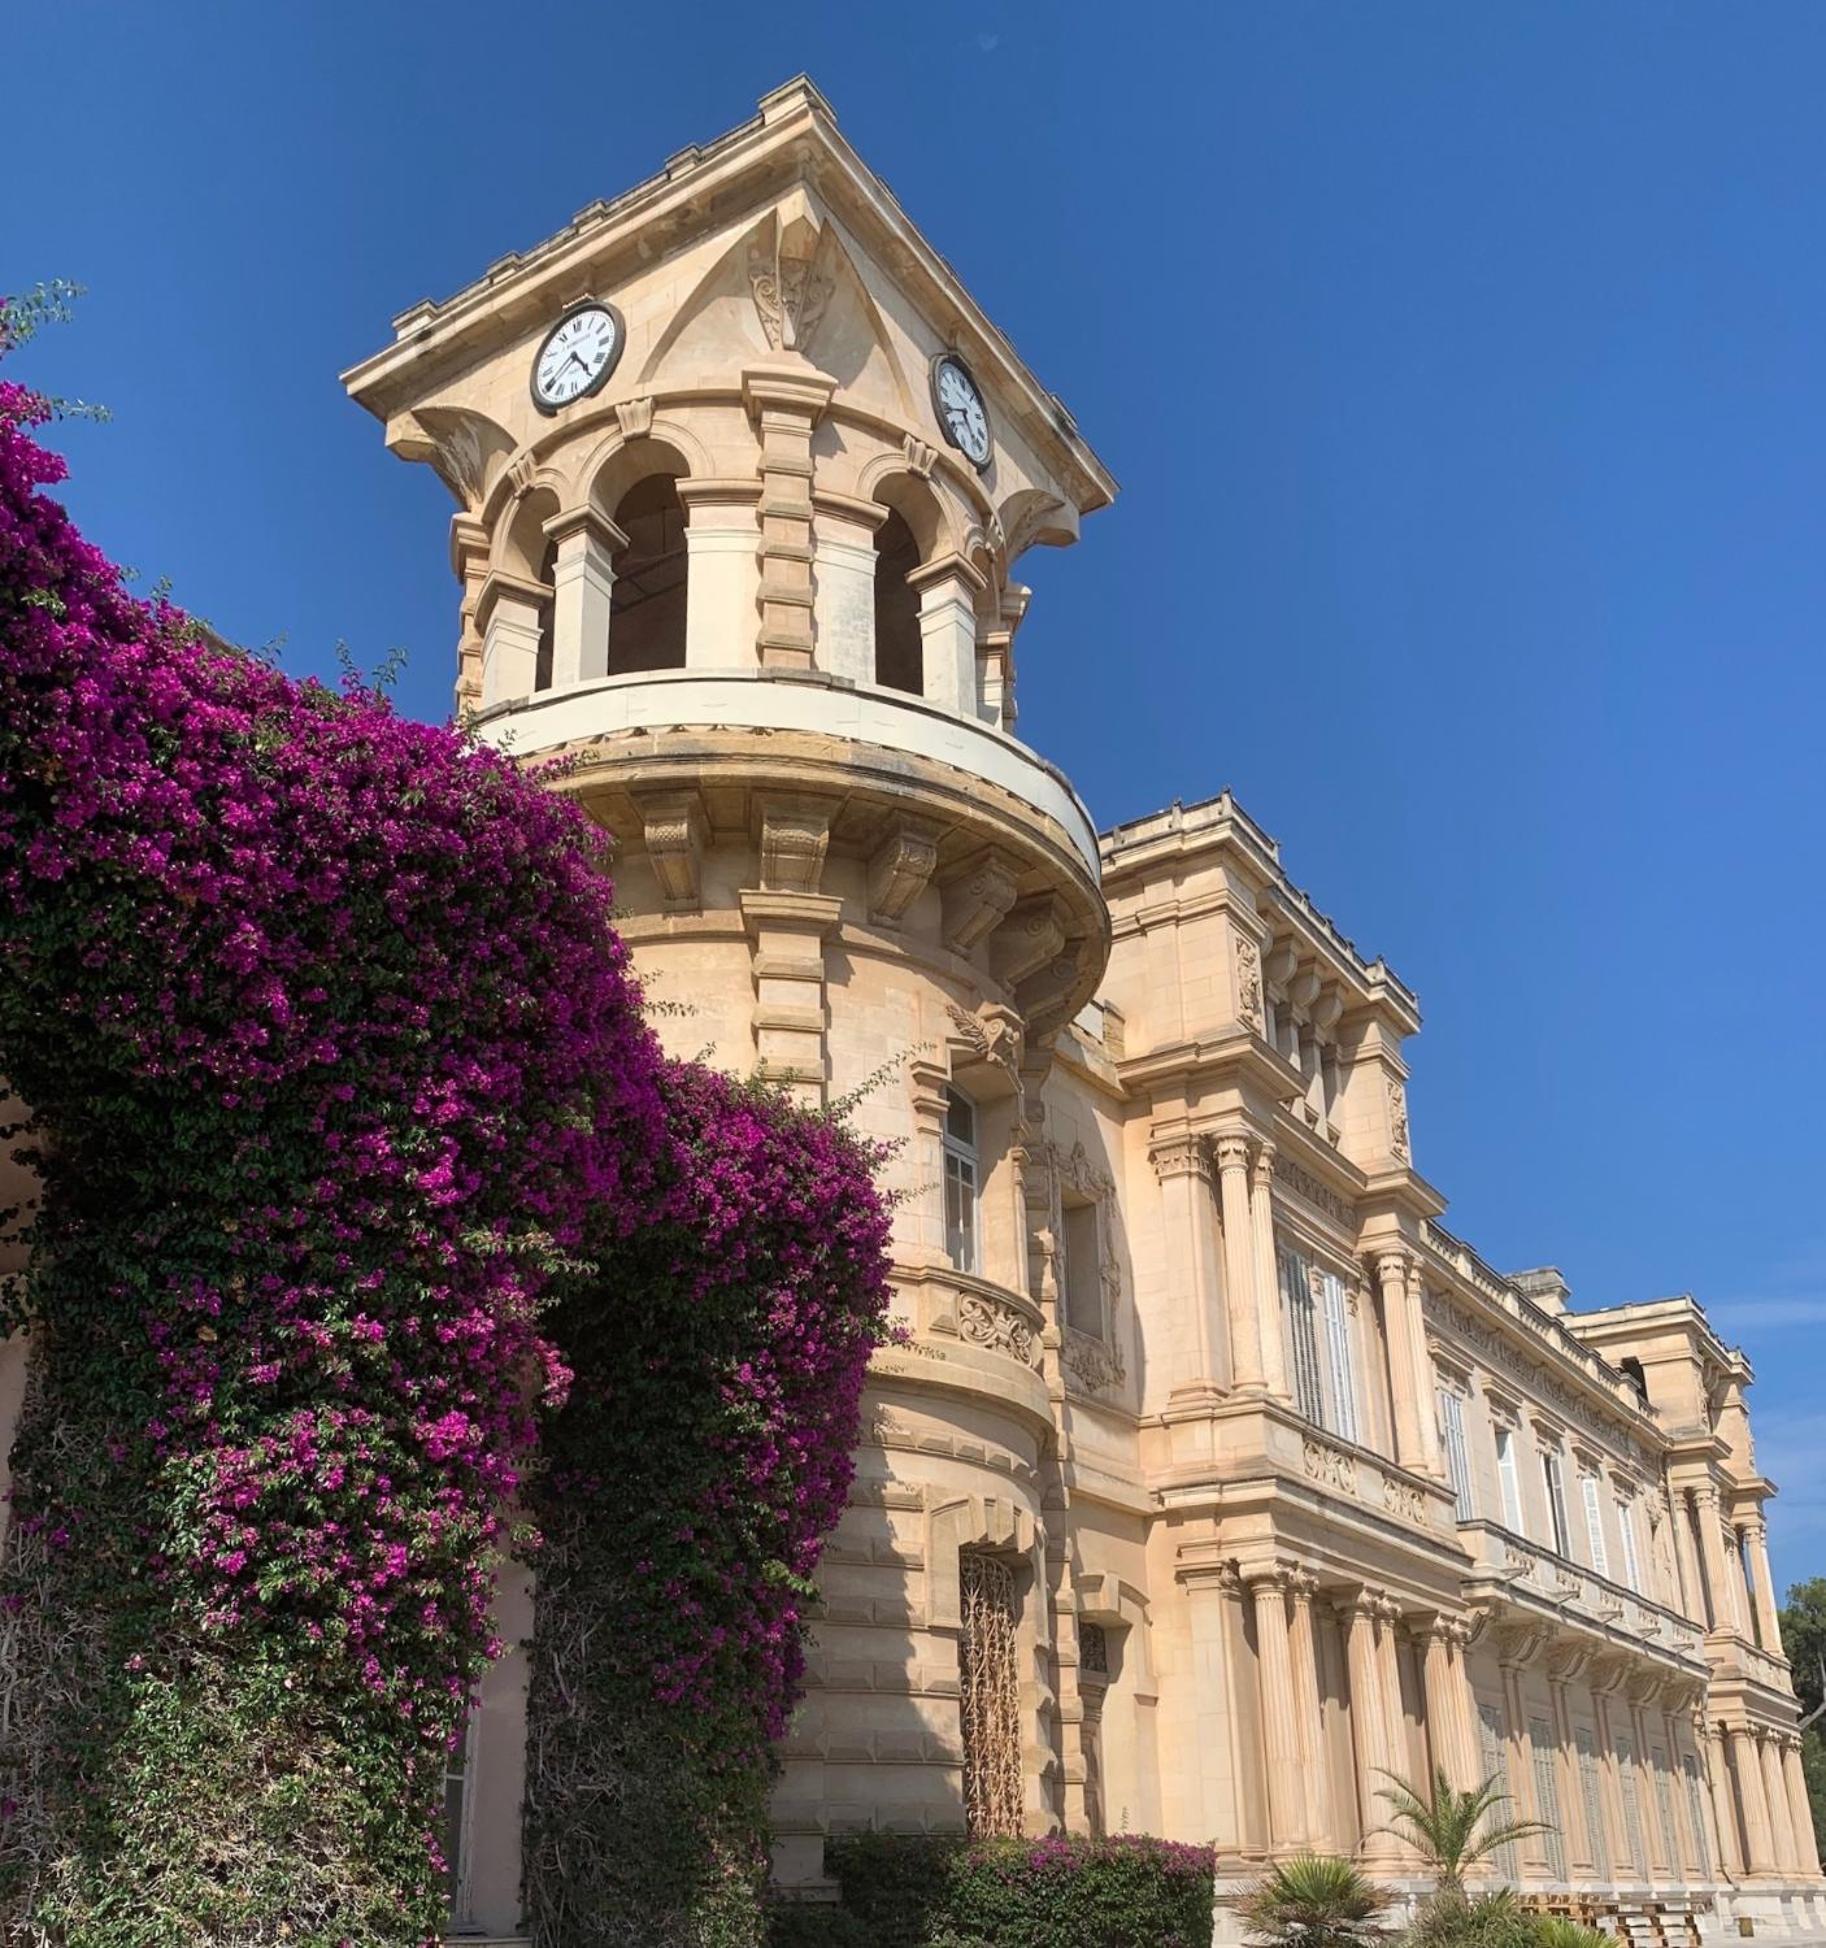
<point>1392,1283</point>
<point>1320,1829</point>
<point>1756,1532</point>
<point>1368,1727</point>
<point>1267,1274</point>
<point>1447,1708</point>
<point>583,579</point>
<point>1432,1460</point>
<point>1578,1842</point>
<point>1388,1679</point>
<point>1726,1829</point>
<point>1245,1314</point>
<point>1280,1719</point>
<point>1775,1791</point>
<point>1720,1579</point>
<point>1747,1769</point>
<point>1800,1810</point>
<point>1520,1743</point>
<point>1182,1166</point>
<point>1692,1584</point>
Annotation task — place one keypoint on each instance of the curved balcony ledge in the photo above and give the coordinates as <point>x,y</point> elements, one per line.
<point>970,1335</point>
<point>885,731</point>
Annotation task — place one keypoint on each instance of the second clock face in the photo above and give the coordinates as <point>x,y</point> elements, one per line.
<point>961,411</point>
<point>579,353</point>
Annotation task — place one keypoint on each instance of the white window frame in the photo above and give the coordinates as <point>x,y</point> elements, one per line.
<point>1509,1480</point>
<point>1594,1520</point>
<point>963,1166</point>
<point>1458,1458</point>
<point>1553,1484</point>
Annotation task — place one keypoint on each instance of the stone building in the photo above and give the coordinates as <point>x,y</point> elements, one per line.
<point>1215,1474</point>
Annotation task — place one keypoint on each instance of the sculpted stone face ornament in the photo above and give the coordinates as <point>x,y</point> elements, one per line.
<point>579,353</point>
<point>958,401</point>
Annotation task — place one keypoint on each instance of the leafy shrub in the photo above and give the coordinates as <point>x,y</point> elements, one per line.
<point>801,1924</point>
<point>1317,1900</point>
<point>1451,1919</point>
<point>1123,1892</point>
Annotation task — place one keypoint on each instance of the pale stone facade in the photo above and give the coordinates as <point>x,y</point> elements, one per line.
<point>1214,1474</point>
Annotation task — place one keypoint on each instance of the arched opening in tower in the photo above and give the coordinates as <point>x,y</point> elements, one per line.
<point>899,664</point>
<point>647,607</point>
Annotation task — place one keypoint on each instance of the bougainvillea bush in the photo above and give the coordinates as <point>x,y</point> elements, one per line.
<point>348,1126</point>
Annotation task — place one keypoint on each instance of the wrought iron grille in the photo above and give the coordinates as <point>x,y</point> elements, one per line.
<point>988,1671</point>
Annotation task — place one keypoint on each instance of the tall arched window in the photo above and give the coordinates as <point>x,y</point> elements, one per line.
<point>647,608</point>
<point>899,662</point>
<point>962,1177</point>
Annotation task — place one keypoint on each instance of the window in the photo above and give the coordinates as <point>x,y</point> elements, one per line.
<point>1337,1341</point>
<point>961,1180</point>
<point>1626,1528</point>
<point>1547,1794</point>
<point>1495,1757</point>
<point>647,602</point>
<point>1452,1439</point>
<point>1083,1283</point>
<point>899,651</point>
<point>1511,1484</point>
<point>1596,1837</point>
<point>1594,1523</point>
<point>1296,1295</point>
<point>990,1697</point>
<point>1556,1501</point>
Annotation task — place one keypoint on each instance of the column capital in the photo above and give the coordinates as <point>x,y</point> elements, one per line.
<point>942,569</point>
<point>1302,1586</point>
<point>1231,1148</point>
<point>502,587</point>
<point>587,520</point>
<point>804,395</point>
<point>1261,1171</point>
<point>1392,1263</point>
<point>1180,1155</point>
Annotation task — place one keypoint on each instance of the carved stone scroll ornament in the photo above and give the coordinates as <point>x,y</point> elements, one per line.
<point>1091,1363</point>
<point>992,1035</point>
<point>792,272</point>
<point>998,1326</point>
<point>1398,1121</point>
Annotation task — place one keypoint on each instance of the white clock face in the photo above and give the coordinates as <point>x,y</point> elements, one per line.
<point>577,356</point>
<point>961,411</point>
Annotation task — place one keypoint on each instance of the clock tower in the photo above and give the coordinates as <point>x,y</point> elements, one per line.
<point>744,479</point>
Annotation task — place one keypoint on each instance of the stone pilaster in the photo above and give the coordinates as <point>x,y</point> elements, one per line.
<point>469,563</point>
<point>1800,1809</point>
<point>583,580</point>
<point>786,408</point>
<point>947,590</point>
<point>788,921</point>
<point>1397,1319</point>
<point>1747,1769</point>
<point>722,572</point>
<point>1244,1311</point>
<point>1560,1669</point>
<point>1756,1533</point>
<point>1448,1703</point>
<point>1720,1580</point>
<point>1775,1795</point>
<point>1726,1829</point>
<point>1368,1724</point>
<point>1287,1829</point>
<point>1267,1275</point>
<point>1432,1460</point>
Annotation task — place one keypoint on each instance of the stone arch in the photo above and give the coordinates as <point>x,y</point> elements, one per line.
<point>523,550</point>
<point>635,491</point>
<point>910,536</point>
<point>615,463</point>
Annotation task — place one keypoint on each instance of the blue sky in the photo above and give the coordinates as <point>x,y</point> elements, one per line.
<point>1464,367</point>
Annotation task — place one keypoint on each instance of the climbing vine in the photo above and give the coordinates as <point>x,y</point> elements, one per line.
<point>350,1140</point>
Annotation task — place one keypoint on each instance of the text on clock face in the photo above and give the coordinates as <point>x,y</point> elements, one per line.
<point>576,355</point>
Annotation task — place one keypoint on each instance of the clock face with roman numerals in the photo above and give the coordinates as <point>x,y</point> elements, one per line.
<point>958,401</point>
<point>578,354</point>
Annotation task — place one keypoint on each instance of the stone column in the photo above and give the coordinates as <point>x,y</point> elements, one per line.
<point>1692,1586</point>
<point>722,573</point>
<point>1267,1272</point>
<point>507,613</point>
<point>1441,1679</point>
<point>1245,1315</point>
<point>1746,1767</point>
<point>1775,1794</point>
<point>1182,1166</point>
<point>1287,1829</point>
<point>1426,1385</point>
<point>1532,1852</point>
<point>1315,1761</point>
<point>1712,1548</point>
<point>1800,1810</point>
<point>1218,1747</point>
<point>1578,1842</point>
<point>1388,1682</point>
<point>583,576</point>
<point>1368,1726</point>
<point>469,561</point>
<point>786,408</point>
<point>948,588</point>
<point>1763,1582</point>
<point>1725,1827</point>
<point>1392,1283</point>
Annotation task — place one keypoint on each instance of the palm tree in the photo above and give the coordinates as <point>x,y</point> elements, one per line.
<point>1447,1826</point>
<point>1314,1900</point>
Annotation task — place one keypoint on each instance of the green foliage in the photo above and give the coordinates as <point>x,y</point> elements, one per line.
<point>24,315</point>
<point>1448,1919</point>
<point>1314,1901</point>
<point>1556,1931</point>
<point>947,1892</point>
<point>1803,1622</point>
<point>801,1924</point>
<point>1452,1830</point>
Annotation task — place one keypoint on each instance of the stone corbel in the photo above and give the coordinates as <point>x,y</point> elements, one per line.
<point>1030,937</point>
<point>795,838</point>
<point>919,456</point>
<point>972,1522</point>
<point>900,868</point>
<point>636,416</point>
<point>672,824</point>
<point>978,899</point>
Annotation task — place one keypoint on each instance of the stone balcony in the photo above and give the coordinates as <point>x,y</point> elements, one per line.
<point>674,762</point>
<point>1516,1581</point>
<point>969,1335</point>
